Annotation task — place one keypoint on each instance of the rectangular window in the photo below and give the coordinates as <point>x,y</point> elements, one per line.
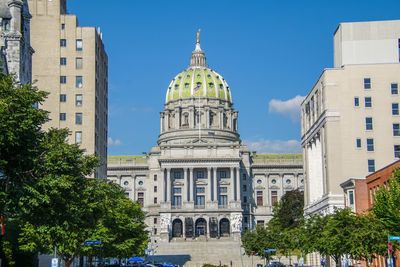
<point>397,151</point>
<point>358,142</point>
<point>78,63</point>
<point>155,177</point>
<point>244,188</point>
<point>223,200</point>
<point>245,219</point>
<point>396,129</point>
<point>200,190</point>
<point>351,198</point>
<point>177,175</point>
<point>260,200</point>
<point>79,45</point>
<point>200,201</point>
<point>177,190</point>
<point>367,83</point>
<point>78,137</point>
<point>63,98</point>
<point>78,81</point>
<point>140,198</point>
<point>78,100</point>
<point>155,221</point>
<point>371,165</point>
<point>244,176</point>
<point>244,199</point>
<point>78,118</point>
<point>223,190</point>
<point>394,88</point>
<point>62,26</point>
<point>63,61</point>
<point>370,144</point>
<point>222,174</point>
<point>356,102</point>
<point>155,200</point>
<point>177,201</point>
<point>274,197</point>
<point>63,79</point>
<point>368,102</point>
<point>260,222</point>
<point>368,123</point>
<point>63,42</point>
<point>155,189</point>
<point>63,116</point>
<point>200,174</point>
<point>395,108</point>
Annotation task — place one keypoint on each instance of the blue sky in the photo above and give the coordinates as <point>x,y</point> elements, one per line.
<point>268,51</point>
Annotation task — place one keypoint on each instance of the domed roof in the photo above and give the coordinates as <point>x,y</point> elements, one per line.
<point>198,80</point>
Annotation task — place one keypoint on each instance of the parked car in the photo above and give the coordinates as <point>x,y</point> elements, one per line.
<point>276,264</point>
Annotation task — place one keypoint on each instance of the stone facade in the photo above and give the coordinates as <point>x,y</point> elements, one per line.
<point>200,182</point>
<point>16,51</point>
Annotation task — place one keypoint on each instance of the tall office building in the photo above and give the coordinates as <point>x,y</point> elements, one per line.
<point>350,118</point>
<point>70,62</point>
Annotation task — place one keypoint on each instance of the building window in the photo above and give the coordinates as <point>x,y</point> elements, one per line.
<point>177,190</point>
<point>223,190</point>
<point>79,45</point>
<point>155,177</point>
<point>78,63</point>
<point>126,183</point>
<point>358,142</point>
<point>63,42</point>
<point>155,189</point>
<point>394,88</point>
<point>200,190</point>
<point>244,199</point>
<point>397,151</point>
<point>244,176</point>
<point>78,118</point>
<point>78,100</point>
<point>177,175</point>
<point>62,26</point>
<point>63,79</point>
<point>371,165</point>
<point>274,197</point>
<point>155,221</point>
<point>78,137</point>
<point>244,188</point>
<point>260,222</point>
<point>370,144</point>
<point>177,201</point>
<point>222,174</point>
<point>223,201</point>
<point>351,197</point>
<point>368,123</point>
<point>140,198</point>
<point>63,61</point>
<point>396,129</point>
<point>367,83</point>
<point>155,200</point>
<point>200,174</point>
<point>368,102</point>
<point>63,98</point>
<point>356,102</point>
<point>63,116</point>
<point>245,219</point>
<point>155,231</point>
<point>200,201</point>
<point>260,200</point>
<point>395,108</point>
<point>78,81</point>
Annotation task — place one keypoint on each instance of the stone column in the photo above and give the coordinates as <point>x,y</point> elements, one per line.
<point>207,118</point>
<point>221,119</point>
<point>191,184</point>
<point>209,187</point>
<point>185,192</point>
<point>238,183</point>
<point>161,122</point>
<point>232,195</point>
<point>168,185</point>
<point>163,186</point>
<point>177,118</point>
<point>215,185</point>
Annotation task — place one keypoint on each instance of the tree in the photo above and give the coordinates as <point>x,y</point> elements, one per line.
<point>288,212</point>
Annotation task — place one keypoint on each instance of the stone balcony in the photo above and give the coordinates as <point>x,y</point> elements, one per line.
<point>191,206</point>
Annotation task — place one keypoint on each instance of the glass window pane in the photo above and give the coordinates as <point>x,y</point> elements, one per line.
<point>78,81</point>
<point>78,137</point>
<point>78,63</point>
<point>78,118</point>
<point>79,45</point>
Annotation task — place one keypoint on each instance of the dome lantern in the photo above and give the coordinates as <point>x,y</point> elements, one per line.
<point>198,58</point>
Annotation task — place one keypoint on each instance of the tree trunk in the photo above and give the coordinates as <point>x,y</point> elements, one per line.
<point>68,262</point>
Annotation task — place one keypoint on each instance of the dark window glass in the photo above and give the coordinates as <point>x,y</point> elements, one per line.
<point>78,118</point>
<point>274,197</point>
<point>63,61</point>
<point>370,144</point>
<point>394,88</point>
<point>368,102</point>
<point>367,83</point>
<point>63,42</point>
<point>397,151</point>
<point>63,116</point>
<point>356,102</point>
<point>260,200</point>
<point>358,142</point>
<point>395,108</point>
<point>63,79</point>
<point>371,165</point>
<point>63,98</point>
<point>396,129</point>
<point>368,123</point>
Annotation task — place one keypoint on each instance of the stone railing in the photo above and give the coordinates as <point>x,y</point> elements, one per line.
<point>127,161</point>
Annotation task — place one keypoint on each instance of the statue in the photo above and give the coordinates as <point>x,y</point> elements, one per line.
<point>198,37</point>
<point>236,222</point>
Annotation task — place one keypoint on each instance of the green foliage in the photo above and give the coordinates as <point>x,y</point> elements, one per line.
<point>288,212</point>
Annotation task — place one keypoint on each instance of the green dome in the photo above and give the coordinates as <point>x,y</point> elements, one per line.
<point>198,82</point>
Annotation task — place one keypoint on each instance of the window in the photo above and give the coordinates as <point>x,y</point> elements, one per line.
<point>223,200</point>
<point>177,175</point>
<point>200,174</point>
<point>274,197</point>
<point>155,177</point>
<point>155,231</point>
<point>63,42</point>
<point>396,129</point>
<point>356,102</point>
<point>78,118</point>
<point>79,45</point>
<point>140,198</point>
<point>200,190</point>
<point>244,176</point>
<point>368,123</point>
<point>177,201</point>
<point>371,165</point>
<point>155,200</point>
<point>368,102</point>
<point>245,219</point>
<point>397,151</point>
<point>394,88</point>
<point>155,189</point>
<point>223,190</point>
<point>200,201</point>
<point>62,26</point>
<point>244,199</point>
<point>78,137</point>
<point>370,144</point>
<point>244,188</point>
<point>222,174</point>
<point>63,98</point>
<point>63,61</point>
<point>78,81</point>
<point>260,222</point>
<point>395,108</point>
<point>351,197</point>
<point>63,79</point>
<point>126,183</point>
<point>63,116</point>
<point>155,221</point>
<point>78,100</point>
<point>260,200</point>
<point>78,63</point>
<point>177,190</point>
<point>367,83</point>
<point>358,142</point>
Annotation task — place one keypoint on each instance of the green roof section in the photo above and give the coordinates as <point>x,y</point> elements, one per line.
<point>278,156</point>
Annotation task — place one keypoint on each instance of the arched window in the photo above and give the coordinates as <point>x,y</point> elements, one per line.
<point>212,118</point>
<point>225,120</point>
<point>201,227</point>
<point>177,228</point>
<point>224,226</point>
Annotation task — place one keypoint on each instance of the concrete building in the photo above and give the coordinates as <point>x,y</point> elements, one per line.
<point>350,118</point>
<point>71,63</point>
<point>15,47</point>
<point>200,185</point>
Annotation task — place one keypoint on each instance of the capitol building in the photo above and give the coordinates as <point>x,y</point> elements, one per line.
<point>200,183</point>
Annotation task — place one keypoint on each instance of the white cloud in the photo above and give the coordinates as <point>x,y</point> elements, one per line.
<point>274,146</point>
<point>289,108</point>
<point>112,142</point>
